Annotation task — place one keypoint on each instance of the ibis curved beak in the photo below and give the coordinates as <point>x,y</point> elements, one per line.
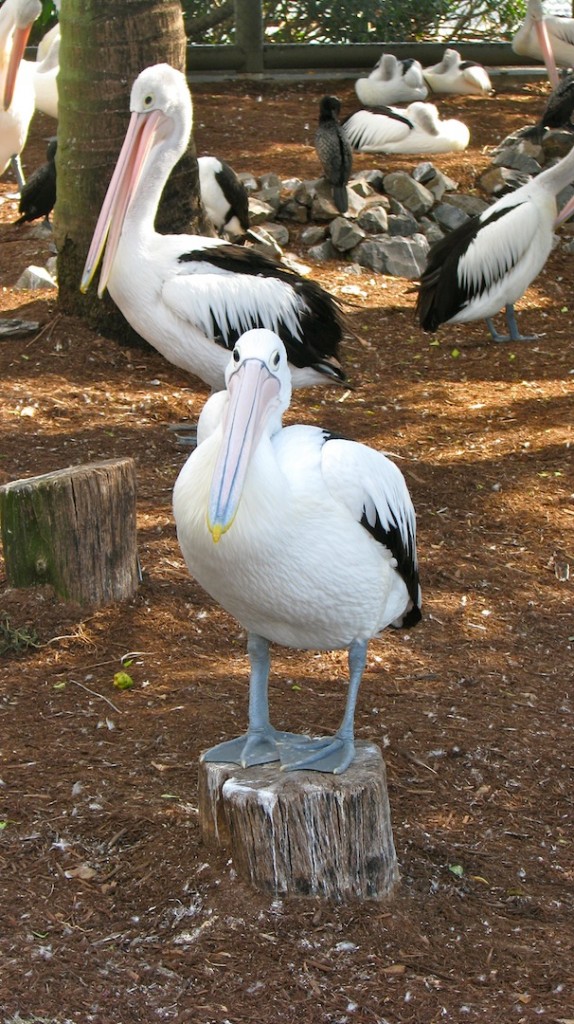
<point>253,391</point>
<point>19,40</point>
<point>547,52</point>
<point>140,137</point>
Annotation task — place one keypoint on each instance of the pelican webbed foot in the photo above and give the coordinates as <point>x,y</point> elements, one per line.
<point>513,331</point>
<point>331,754</point>
<point>252,748</point>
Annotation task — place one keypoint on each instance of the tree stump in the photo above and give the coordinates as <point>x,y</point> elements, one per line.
<point>304,833</point>
<point>74,529</point>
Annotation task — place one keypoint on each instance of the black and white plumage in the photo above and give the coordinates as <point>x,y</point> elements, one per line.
<point>392,81</point>
<point>334,150</point>
<point>487,263</point>
<point>224,197</point>
<point>38,196</point>
<point>455,76</point>
<point>307,539</point>
<point>190,296</point>
<point>413,129</point>
<point>557,113</point>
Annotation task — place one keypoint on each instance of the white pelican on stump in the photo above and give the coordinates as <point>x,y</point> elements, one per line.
<point>487,263</point>
<point>16,85</point>
<point>548,39</point>
<point>392,81</point>
<point>413,129</point>
<point>455,76</point>
<point>189,296</point>
<point>308,540</point>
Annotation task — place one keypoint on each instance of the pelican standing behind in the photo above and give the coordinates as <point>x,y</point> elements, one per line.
<point>548,39</point>
<point>489,262</point>
<point>413,129</point>
<point>188,296</point>
<point>45,78</point>
<point>224,197</point>
<point>392,81</point>
<point>455,76</point>
<point>309,540</point>
<point>16,86</point>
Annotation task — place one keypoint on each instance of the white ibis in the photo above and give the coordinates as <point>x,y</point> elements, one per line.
<point>413,129</point>
<point>392,81</point>
<point>334,150</point>
<point>548,39</point>
<point>487,263</point>
<point>189,296</point>
<point>453,75</point>
<point>307,539</point>
<point>16,20</point>
<point>224,197</point>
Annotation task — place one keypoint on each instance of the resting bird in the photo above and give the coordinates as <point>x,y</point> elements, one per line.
<point>413,129</point>
<point>16,85</point>
<point>452,75</point>
<point>38,195</point>
<point>189,296</point>
<point>307,539</point>
<point>224,197</point>
<point>334,151</point>
<point>548,39</point>
<point>489,262</point>
<point>392,81</point>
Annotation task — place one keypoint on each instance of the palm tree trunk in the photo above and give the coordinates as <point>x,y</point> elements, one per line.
<point>105,45</point>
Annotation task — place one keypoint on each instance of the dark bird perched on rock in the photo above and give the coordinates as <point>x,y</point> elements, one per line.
<point>38,195</point>
<point>224,196</point>
<point>558,111</point>
<point>334,150</point>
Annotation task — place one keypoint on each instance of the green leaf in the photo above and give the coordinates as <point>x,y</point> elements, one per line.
<point>456,869</point>
<point>122,681</point>
<point>455,353</point>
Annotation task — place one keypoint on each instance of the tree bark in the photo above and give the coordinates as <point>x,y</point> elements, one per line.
<point>104,47</point>
<point>74,529</point>
<point>304,833</point>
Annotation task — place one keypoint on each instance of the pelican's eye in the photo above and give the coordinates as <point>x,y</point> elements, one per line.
<point>148,101</point>
<point>236,356</point>
<point>275,359</point>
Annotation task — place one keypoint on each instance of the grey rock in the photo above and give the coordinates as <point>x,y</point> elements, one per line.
<point>345,234</point>
<point>399,257</point>
<point>448,217</point>
<point>471,205</point>
<point>402,224</point>
<point>323,252</point>
<point>373,220</point>
<point>313,235</point>
<point>259,212</point>
<point>409,192</point>
<point>33,278</point>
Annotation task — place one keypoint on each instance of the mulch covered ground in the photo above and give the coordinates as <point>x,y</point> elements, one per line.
<point>113,912</point>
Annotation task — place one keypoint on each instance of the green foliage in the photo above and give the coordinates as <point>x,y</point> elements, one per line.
<point>14,639</point>
<point>321,21</point>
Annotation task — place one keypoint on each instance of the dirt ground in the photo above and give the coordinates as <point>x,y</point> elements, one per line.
<point>113,912</point>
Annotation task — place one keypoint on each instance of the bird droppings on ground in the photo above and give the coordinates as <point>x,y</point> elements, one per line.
<point>112,910</point>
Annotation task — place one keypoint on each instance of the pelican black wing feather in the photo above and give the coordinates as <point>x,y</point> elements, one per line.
<point>321,318</point>
<point>441,294</point>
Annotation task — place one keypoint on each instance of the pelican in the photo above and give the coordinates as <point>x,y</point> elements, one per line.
<point>16,20</point>
<point>392,81</point>
<point>189,296</point>
<point>558,111</point>
<point>224,197</point>
<point>48,38</point>
<point>489,262</point>
<point>413,129</point>
<point>548,39</point>
<point>45,78</point>
<point>454,75</point>
<point>334,151</point>
<point>307,539</point>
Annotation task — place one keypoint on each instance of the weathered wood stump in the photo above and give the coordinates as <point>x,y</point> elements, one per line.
<point>304,833</point>
<point>74,529</point>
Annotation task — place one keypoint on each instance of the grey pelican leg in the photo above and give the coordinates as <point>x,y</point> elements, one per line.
<point>259,744</point>
<point>331,753</point>
<point>513,331</point>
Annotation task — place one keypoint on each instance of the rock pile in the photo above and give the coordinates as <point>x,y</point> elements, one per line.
<point>393,218</point>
